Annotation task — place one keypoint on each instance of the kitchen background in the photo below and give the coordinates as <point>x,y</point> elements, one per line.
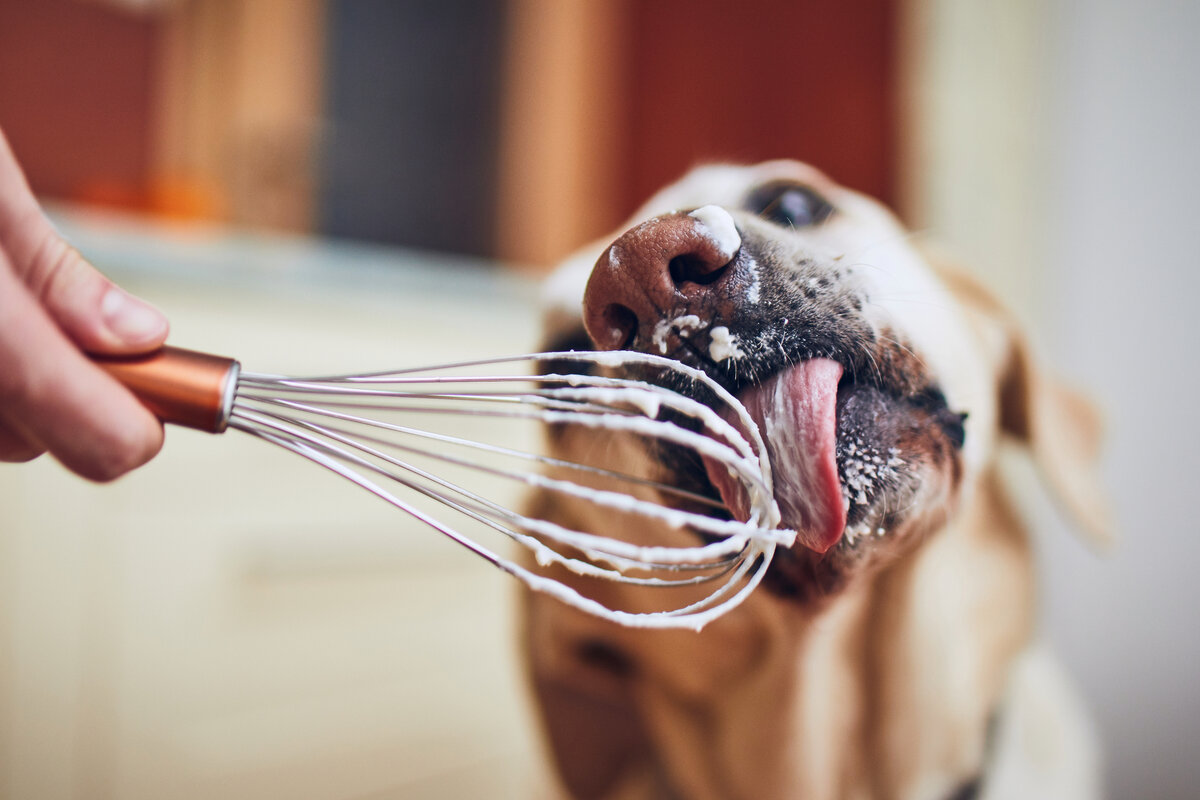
<point>327,185</point>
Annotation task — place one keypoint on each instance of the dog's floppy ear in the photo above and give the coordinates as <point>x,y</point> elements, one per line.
<point>1063,429</point>
<point>1060,426</point>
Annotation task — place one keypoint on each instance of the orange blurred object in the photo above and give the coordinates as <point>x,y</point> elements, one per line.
<point>177,198</point>
<point>184,198</point>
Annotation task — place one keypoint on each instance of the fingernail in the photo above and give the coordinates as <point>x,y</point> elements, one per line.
<point>129,319</point>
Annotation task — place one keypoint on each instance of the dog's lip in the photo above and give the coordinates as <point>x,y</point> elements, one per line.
<point>796,412</point>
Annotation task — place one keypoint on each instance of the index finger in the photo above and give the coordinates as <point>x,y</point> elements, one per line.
<point>55,398</point>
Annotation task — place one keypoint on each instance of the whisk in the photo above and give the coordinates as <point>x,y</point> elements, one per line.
<point>362,428</point>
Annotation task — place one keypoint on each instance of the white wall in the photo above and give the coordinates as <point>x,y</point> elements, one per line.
<point>1123,281</point>
<point>1057,146</point>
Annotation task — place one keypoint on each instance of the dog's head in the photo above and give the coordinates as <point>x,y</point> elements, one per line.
<point>880,382</point>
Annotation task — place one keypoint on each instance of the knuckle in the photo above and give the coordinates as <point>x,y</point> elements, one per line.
<point>13,391</point>
<point>58,273</point>
<point>104,468</point>
<point>19,390</point>
<point>55,262</point>
<point>129,449</point>
<point>14,452</point>
<point>45,269</point>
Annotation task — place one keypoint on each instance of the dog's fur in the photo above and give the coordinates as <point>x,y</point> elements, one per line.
<point>900,663</point>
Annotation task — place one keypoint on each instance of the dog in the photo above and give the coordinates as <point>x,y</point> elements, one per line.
<point>891,653</point>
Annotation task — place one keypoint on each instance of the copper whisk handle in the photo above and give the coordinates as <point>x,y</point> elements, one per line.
<point>183,387</point>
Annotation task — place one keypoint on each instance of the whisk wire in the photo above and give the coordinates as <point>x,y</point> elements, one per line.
<point>354,425</point>
<point>487,447</point>
<point>595,544</point>
<point>279,430</point>
<point>621,501</point>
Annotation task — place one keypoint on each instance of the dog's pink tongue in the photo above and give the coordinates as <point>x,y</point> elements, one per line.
<point>797,413</point>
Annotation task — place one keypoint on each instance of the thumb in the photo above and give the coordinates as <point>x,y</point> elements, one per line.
<point>94,312</point>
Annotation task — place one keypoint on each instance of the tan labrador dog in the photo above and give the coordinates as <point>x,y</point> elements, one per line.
<point>891,652</point>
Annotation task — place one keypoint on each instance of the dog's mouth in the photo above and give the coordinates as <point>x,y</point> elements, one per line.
<point>860,439</point>
<point>796,413</point>
<point>848,455</point>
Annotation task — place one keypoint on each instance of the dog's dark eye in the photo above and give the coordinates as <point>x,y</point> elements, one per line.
<point>790,204</point>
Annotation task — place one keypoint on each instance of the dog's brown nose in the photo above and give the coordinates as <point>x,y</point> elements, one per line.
<point>669,265</point>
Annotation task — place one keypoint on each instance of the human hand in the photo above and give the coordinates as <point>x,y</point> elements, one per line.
<point>54,307</point>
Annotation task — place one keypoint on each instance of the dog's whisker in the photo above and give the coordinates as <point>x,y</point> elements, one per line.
<point>905,348</point>
<point>867,265</point>
<point>915,298</point>
<point>894,238</point>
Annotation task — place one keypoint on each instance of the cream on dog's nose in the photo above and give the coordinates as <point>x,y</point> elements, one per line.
<point>663,265</point>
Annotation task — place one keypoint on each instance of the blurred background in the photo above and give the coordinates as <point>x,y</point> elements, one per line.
<point>330,185</point>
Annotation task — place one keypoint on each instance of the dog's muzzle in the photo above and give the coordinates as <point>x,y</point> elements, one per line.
<point>674,285</point>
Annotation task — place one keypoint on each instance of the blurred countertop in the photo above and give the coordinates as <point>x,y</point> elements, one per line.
<point>311,277</point>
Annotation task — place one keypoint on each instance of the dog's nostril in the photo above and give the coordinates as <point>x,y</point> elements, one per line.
<point>620,326</point>
<point>694,268</point>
